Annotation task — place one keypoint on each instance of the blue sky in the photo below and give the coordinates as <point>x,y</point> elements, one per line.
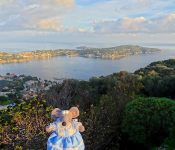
<point>70,23</point>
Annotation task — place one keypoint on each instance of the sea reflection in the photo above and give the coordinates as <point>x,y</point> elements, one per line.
<point>83,68</point>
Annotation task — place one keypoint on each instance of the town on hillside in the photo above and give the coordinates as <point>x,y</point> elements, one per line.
<point>22,87</point>
<point>117,52</point>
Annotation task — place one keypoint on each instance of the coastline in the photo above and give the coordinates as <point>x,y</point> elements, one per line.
<point>112,53</point>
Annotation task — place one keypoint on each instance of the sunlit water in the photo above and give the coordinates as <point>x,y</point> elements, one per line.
<point>83,68</point>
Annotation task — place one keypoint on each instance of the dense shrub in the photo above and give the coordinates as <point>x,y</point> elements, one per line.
<point>24,125</point>
<point>111,123</point>
<point>148,121</point>
<point>158,79</point>
<point>103,120</point>
<point>101,102</point>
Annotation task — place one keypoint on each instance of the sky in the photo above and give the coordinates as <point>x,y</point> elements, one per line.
<point>42,24</point>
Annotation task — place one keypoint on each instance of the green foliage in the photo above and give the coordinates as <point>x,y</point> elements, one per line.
<point>5,101</point>
<point>101,101</point>
<point>159,79</point>
<point>169,143</point>
<point>24,125</point>
<point>85,93</point>
<point>160,68</point>
<point>114,114</point>
<point>3,98</point>
<point>104,118</point>
<point>149,120</point>
<point>99,124</point>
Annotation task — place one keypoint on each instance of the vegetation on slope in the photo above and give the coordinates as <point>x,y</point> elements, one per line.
<point>116,52</point>
<point>158,78</point>
<point>119,110</point>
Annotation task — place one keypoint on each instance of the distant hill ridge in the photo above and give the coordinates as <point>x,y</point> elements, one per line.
<point>103,53</point>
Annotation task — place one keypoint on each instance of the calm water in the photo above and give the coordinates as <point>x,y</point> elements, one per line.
<point>83,68</point>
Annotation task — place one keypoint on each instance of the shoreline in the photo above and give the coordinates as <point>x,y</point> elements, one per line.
<point>112,53</point>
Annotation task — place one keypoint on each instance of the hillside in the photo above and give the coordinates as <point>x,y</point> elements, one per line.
<point>122,110</point>
<point>159,78</point>
<point>103,53</point>
<point>28,56</point>
<point>115,52</point>
<point>159,68</point>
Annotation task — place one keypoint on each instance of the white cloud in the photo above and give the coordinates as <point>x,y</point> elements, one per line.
<point>50,24</point>
<point>5,2</point>
<point>66,20</point>
<point>164,24</point>
<point>66,3</point>
<point>32,6</point>
<point>133,24</point>
<point>171,17</point>
<point>69,17</point>
<point>34,14</point>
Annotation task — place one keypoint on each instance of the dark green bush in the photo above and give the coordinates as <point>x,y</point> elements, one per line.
<point>149,121</point>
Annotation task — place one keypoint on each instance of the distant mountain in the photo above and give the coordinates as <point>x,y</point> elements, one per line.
<point>103,53</point>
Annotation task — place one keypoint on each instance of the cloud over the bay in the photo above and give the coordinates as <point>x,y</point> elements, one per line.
<point>34,14</point>
<point>87,20</point>
<point>163,24</point>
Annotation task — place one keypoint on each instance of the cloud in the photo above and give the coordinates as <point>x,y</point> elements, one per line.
<point>34,14</point>
<point>50,24</point>
<point>5,2</point>
<point>125,24</point>
<point>66,3</point>
<point>164,24</point>
<point>171,17</point>
<point>103,16</point>
<point>133,23</point>
<point>90,2</point>
<point>104,23</point>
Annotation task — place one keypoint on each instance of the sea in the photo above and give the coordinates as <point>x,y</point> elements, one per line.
<point>64,67</point>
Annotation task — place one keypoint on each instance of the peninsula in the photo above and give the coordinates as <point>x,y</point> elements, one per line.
<point>102,53</point>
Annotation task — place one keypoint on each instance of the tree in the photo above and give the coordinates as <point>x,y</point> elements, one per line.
<point>148,121</point>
